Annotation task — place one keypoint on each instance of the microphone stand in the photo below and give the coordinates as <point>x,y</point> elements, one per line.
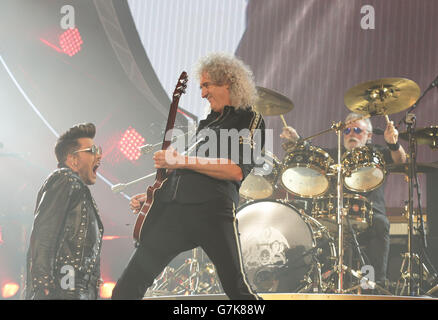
<point>340,200</point>
<point>410,122</point>
<point>122,186</point>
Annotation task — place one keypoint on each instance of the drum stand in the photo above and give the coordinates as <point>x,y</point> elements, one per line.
<point>172,281</point>
<point>407,277</point>
<point>410,282</point>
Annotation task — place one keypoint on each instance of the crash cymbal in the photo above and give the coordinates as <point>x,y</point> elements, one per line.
<point>422,167</point>
<point>271,103</point>
<point>428,135</point>
<point>382,97</point>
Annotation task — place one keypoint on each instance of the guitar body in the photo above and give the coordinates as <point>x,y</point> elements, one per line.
<point>146,208</point>
<point>161,176</point>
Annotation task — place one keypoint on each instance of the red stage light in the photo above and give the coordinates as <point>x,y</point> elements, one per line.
<point>110,237</point>
<point>9,290</point>
<point>106,290</point>
<point>71,41</point>
<point>129,144</point>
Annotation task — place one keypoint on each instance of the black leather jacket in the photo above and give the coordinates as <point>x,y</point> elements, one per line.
<point>65,244</point>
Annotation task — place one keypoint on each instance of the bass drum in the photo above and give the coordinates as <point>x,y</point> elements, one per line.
<point>279,244</point>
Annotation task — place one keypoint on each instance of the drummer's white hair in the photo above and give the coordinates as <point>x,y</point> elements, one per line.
<point>223,68</point>
<point>353,116</point>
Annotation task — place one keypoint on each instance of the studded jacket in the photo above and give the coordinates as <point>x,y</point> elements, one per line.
<point>65,244</point>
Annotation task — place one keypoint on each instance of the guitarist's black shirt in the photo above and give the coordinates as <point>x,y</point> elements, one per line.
<point>236,134</point>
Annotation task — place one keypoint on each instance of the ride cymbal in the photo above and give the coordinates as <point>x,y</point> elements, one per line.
<point>382,97</point>
<point>271,103</point>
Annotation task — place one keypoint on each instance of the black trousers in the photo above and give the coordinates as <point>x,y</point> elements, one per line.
<point>171,228</point>
<point>376,241</point>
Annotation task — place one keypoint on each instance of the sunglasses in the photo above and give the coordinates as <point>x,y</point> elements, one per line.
<point>356,130</point>
<point>93,150</point>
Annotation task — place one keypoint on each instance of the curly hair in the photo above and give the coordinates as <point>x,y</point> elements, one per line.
<point>224,68</point>
<point>68,141</point>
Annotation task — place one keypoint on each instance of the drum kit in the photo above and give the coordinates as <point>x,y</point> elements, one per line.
<point>297,245</point>
<point>295,242</point>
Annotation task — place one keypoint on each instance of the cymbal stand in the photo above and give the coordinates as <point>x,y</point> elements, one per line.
<point>340,212</point>
<point>410,281</point>
<point>340,201</point>
<point>409,120</point>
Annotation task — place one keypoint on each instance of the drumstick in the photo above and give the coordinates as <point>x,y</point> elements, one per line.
<point>387,119</point>
<point>284,121</point>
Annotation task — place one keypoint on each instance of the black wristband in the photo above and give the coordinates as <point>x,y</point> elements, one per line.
<point>393,146</point>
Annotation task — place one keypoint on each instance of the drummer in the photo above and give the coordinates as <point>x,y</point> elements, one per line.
<point>359,134</point>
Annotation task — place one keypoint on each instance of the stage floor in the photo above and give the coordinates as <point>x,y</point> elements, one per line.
<point>293,296</point>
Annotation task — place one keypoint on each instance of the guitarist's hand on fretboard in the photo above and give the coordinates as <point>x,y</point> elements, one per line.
<point>136,202</point>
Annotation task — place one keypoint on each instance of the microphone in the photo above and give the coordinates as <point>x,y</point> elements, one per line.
<point>118,187</point>
<point>145,149</point>
<point>378,131</point>
<point>122,186</point>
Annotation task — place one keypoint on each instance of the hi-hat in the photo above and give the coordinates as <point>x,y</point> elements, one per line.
<point>428,135</point>
<point>271,103</point>
<point>382,97</point>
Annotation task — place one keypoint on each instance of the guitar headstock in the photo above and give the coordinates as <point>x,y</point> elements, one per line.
<point>181,86</point>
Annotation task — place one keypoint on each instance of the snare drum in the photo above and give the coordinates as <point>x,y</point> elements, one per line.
<point>260,183</point>
<point>278,243</point>
<point>359,211</point>
<point>304,171</point>
<point>364,169</point>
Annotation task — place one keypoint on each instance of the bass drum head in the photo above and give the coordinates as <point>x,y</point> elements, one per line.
<point>273,238</point>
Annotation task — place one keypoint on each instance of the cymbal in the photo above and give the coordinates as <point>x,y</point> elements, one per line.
<point>428,135</point>
<point>271,103</point>
<point>382,97</point>
<point>422,167</point>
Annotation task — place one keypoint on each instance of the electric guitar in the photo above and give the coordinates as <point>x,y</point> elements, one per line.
<point>161,176</point>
